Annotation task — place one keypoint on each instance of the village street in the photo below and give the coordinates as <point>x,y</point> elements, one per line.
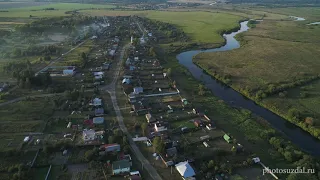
<point>111,90</point>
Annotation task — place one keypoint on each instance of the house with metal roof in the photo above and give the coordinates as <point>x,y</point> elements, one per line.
<point>185,170</point>
<point>120,167</point>
<point>98,120</point>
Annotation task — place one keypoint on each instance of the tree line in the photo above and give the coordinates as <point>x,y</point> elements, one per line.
<point>25,76</point>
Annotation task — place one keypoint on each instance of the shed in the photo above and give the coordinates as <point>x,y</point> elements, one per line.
<point>98,120</point>
<point>227,138</point>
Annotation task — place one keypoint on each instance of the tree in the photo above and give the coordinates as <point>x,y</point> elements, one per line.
<point>293,113</point>
<point>211,164</point>
<point>152,52</point>
<point>201,91</point>
<point>47,58</point>
<point>144,128</point>
<point>84,58</point>
<point>89,155</point>
<point>300,176</point>
<point>288,156</point>
<point>110,139</point>
<point>169,72</point>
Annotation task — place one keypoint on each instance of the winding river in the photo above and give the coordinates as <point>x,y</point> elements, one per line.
<point>295,134</point>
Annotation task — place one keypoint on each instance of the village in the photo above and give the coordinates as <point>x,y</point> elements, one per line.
<point>163,134</point>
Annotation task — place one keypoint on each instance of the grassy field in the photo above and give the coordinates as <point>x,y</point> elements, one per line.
<point>202,27</point>
<point>59,10</point>
<point>74,57</point>
<point>275,53</point>
<point>25,116</point>
<point>309,13</point>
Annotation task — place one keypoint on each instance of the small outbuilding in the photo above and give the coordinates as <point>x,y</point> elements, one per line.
<point>227,138</point>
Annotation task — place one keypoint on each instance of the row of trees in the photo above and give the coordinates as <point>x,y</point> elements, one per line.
<point>44,24</point>
<point>25,76</point>
<point>33,50</point>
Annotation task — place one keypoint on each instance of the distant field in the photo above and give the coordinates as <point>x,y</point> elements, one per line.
<point>202,27</point>
<point>39,11</point>
<point>7,5</point>
<point>309,13</point>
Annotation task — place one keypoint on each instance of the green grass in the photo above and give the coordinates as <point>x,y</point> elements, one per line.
<point>309,13</point>
<point>25,116</point>
<point>74,57</point>
<point>202,27</point>
<point>60,9</point>
<point>180,124</point>
<point>40,173</point>
<point>310,104</point>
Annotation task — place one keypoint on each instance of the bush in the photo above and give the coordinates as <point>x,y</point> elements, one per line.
<point>293,113</point>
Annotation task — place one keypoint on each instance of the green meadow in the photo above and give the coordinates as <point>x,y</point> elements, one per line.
<point>276,53</point>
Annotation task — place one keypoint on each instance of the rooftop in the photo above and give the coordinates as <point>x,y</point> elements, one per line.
<point>120,164</point>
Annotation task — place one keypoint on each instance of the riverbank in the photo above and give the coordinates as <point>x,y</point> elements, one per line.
<point>263,70</point>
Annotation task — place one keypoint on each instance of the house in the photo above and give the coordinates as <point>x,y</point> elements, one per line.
<point>96,102</point>
<point>98,120</point>
<point>132,68</point>
<point>198,123</point>
<point>211,126</point>
<point>137,90</point>
<point>185,170</point>
<point>88,135</point>
<point>99,112</point>
<point>110,147</point>
<point>139,107</point>
<point>197,111</point>
<point>135,175</point>
<point>98,75</point>
<point>184,101</point>
<point>112,52</point>
<point>120,167</point>
<point>126,157</point>
<point>227,138</point>
<point>3,86</point>
<point>171,151</point>
<point>69,71</point>
<point>150,118</point>
<point>126,81</point>
<point>160,126</point>
<point>170,110</point>
<point>136,59</point>
<point>105,66</point>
